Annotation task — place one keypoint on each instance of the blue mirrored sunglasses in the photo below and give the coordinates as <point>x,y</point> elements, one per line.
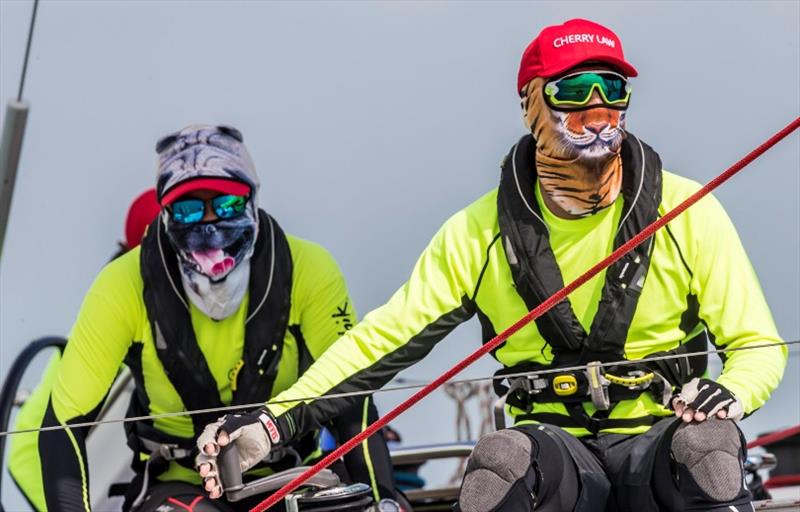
<point>192,210</point>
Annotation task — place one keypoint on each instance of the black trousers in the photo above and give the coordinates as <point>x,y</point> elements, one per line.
<point>615,473</point>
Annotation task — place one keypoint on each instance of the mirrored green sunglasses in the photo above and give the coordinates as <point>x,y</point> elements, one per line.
<point>192,210</point>
<point>575,90</point>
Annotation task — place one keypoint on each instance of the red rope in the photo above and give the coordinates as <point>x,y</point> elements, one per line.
<point>782,481</point>
<point>532,315</point>
<point>774,437</point>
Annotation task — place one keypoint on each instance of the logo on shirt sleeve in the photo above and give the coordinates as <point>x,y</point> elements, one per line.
<point>343,318</point>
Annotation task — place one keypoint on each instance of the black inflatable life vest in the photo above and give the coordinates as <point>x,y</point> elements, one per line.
<point>534,268</point>
<point>537,276</point>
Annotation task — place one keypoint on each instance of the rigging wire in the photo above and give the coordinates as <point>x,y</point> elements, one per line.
<point>27,51</point>
<point>10,150</point>
<point>414,385</point>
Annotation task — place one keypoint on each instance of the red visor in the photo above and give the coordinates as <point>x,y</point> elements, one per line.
<point>220,185</point>
<point>141,213</point>
<point>561,47</point>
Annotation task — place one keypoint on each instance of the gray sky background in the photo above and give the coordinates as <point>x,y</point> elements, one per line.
<point>370,124</point>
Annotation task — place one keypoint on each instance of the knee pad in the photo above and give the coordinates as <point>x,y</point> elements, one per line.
<point>711,452</point>
<point>499,471</point>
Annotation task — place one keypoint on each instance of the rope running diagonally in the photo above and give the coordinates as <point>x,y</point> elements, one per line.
<point>532,315</point>
<point>417,384</point>
<point>429,387</point>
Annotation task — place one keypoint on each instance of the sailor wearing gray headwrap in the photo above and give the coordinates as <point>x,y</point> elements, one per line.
<point>217,307</point>
<point>214,256</point>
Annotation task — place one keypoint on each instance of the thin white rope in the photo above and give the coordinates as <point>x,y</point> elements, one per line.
<point>639,190</point>
<point>269,281</point>
<point>519,188</point>
<point>332,396</point>
<point>164,263</point>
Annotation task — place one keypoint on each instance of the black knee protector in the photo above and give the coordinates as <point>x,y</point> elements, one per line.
<point>500,474</point>
<point>709,463</point>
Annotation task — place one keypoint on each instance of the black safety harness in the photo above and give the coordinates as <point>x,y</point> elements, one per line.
<point>537,276</point>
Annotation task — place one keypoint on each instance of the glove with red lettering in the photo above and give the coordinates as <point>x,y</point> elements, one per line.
<point>255,434</point>
<point>701,398</point>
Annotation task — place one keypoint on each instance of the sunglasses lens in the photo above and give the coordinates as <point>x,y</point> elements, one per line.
<point>574,89</point>
<point>614,87</point>
<point>578,89</point>
<point>188,211</point>
<point>228,206</point>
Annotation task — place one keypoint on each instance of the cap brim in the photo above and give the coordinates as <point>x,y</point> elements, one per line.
<point>621,65</point>
<point>216,184</point>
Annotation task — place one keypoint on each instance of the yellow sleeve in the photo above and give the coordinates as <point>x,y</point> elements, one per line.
<point>99,340</point>
<point>435,299</point>
<point>326,313</point>
<point>96,347</point>
<point>326,309</point>
<point>733,307</point>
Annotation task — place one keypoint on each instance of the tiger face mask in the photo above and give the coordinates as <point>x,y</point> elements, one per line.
<point>577,153</point>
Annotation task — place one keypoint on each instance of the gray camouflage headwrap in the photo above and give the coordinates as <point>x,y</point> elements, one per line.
<point>204,151</point>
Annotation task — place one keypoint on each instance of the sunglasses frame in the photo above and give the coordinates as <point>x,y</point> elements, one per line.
<point>203,211</point>
<point>551,89</point>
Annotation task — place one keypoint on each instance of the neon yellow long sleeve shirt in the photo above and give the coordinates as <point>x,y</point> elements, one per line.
<point>699,277</point>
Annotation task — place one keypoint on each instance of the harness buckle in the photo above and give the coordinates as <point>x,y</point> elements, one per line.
<point>524,387</point>
<point>164,451</point>
<point>598,386</point>
<point>172,452</point>
<point>565,384</point>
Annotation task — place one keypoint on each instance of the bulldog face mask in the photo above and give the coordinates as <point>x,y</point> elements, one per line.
<point>214,257</point>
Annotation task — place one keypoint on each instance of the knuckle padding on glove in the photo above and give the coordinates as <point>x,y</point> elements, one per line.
<point>208,436</point>
<point>707,399</point>
<point>202,458</point>
<point>498,461</point>
<point>710,451</point>
<point>702,397</point>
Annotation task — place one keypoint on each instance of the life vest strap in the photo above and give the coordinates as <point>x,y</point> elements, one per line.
<point>583,420</point>
<point>602,388</point>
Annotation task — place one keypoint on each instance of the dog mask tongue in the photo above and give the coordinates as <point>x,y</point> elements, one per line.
<point>213,262</point>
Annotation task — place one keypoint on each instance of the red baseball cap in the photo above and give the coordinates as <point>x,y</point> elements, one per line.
<point>221,185</point>
<point>560,47</point>
<point>142,211</point>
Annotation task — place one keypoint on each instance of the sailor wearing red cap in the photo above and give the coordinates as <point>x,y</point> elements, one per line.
<point>574,188</point>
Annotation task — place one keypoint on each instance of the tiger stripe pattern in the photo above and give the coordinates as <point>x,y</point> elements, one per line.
<point>578,152</point>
